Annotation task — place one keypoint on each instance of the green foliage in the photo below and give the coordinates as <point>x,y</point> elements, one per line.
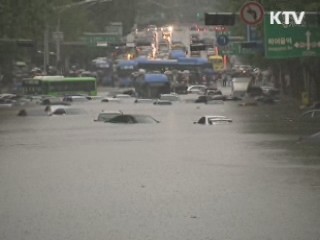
<point>27,19</point>
<point>21,19</point>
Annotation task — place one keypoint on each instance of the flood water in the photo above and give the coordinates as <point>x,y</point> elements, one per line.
<point>70,178</point>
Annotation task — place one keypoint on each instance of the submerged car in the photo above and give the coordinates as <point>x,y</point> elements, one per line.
<point>111,100</point>
<point>209,99</point>
<point>211,119</point>
<point>107,115</point>
<point>76,98</point>
<point>132,119</point>
<point>169,97</point>
<point>196,89</point>
<point>311,115</point>
<point>144,100</point>
<point>162,102</point>
<point>55,110</point>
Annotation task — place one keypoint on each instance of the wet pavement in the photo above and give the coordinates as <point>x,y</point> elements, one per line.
<point>68,177</point>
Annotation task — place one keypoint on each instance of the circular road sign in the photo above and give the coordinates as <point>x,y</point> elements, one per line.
<point>222,40</point>
<point>252,13</point>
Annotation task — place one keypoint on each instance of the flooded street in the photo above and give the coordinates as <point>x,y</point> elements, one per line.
<point>70,178</point>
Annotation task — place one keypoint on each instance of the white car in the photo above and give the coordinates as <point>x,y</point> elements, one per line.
<point>57,110</point>
<point>76,98</point>
<point>170,97</point>
<point>212,119</point>
<point>123,96</point>
<point>111,100</point>
<point>196,89</point>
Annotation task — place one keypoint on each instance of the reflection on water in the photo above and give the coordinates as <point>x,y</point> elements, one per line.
<point>68,177</point>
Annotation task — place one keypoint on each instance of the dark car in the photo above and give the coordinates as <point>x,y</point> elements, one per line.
<point>213,92</point>
<point>255,91</point>
<point>209,99</point>
<point>310,115</point>
<point>131,119</point>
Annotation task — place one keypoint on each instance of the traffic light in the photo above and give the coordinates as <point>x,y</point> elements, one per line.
<point>197,47</point>
<point>222,19</point>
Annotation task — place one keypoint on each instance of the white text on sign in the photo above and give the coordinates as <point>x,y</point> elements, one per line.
<point>287,16</point>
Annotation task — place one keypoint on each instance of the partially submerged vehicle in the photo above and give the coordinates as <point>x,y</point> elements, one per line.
<point>170,97</point>
<point>107,115</point>
<point>76,98</point>
<point>208,99</point>
<point>132,119</point>
<point>144,100</point>
<point>196,89</point>
<point>111,100</point>
<point>213,119</point>
<point>162,102</point>
<point>310,115</point>
<point>54,110</point>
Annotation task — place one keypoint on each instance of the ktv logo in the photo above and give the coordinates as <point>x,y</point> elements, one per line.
<point>287,17</point>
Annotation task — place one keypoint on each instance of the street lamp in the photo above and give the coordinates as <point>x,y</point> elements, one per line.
<point>58,35</point>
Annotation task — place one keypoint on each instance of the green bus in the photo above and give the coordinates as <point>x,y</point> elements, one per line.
<point>59,86</point>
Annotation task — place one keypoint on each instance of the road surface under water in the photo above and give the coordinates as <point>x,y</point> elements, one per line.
<point>70,178</point>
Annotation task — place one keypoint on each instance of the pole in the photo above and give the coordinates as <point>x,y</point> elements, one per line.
<point>280,79</point>
<point>248,33</point>
<point>46,49</point>
<point>58,45</point>
<point>59,34</point>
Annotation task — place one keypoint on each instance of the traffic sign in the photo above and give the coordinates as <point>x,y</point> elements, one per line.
<point>252,13</point>
<point>101,39</point>
<point>242,48</point>
<point>222,40</point>
<point>291,41</point>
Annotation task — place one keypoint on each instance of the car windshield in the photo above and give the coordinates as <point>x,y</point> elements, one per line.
<point>145,119</point>
<point>107,116</point>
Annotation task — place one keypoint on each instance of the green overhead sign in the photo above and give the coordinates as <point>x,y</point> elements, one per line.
<point>291,41</point>
<point>101,39</point>
<point>236,49</point>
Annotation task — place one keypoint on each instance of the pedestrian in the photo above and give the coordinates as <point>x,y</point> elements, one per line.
<point>287,84</point>
<point>229,80</point>
<point>224,80</point>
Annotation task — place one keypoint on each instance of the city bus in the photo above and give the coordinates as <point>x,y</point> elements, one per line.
<point>194,64</point>
<point>103,69</point>
<point>160,65</point>
<point>59,86</point>
<point>151,85</point>
<point>124,69</point>
<point>200,69</point>
<point>217,62</point>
